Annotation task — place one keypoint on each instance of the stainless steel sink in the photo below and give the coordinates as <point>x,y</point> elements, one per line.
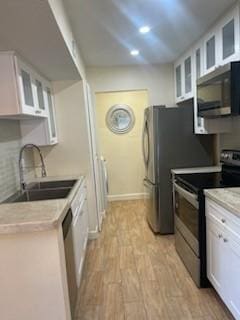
<point>43,191</point>
<point>51,184</point>
<point>36,195</point>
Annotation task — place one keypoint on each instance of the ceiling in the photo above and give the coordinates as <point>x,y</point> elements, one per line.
<point>106,30</point>
<point>29,28</point>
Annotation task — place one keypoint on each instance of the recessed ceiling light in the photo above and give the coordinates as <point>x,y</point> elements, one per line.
<point>144,29</point>
<point>134,52</point>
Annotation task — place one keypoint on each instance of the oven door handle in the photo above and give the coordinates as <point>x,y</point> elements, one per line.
<point>190,197</point>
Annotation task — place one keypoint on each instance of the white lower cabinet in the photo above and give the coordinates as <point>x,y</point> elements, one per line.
<point>223,255</point>
<point>80,230</point>
<point>216,254</point>
<point>234,277</point>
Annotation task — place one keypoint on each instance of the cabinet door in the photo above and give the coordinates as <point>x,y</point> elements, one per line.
<point>228,39</point>
<point>232,274</point>
<point>51,117</point>
<point>188,75</point>
<point>229,45</point>
<point>26,89</point>
<point>210,54</point>
<point>217,256</point>
<point>41,107</point>
<point>198,65</point>
<point>178,82</point>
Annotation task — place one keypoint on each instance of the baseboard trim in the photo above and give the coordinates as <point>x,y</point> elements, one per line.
<point>93,234</point>
<point>128,196</point>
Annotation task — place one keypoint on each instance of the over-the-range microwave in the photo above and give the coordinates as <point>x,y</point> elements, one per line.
<point>218,93</point>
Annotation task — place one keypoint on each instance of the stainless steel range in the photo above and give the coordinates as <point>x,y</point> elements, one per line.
<point>189,211</point>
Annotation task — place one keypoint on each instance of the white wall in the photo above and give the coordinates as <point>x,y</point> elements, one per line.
<point>157,79</point>
<point>230,140</point>
<point>123,152</point>
<point>59,12</point>
<point>71,155</point>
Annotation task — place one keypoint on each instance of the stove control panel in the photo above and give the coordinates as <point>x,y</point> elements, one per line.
<point>230,157</point>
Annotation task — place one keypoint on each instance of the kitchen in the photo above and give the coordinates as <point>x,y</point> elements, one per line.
<point>65,253</point>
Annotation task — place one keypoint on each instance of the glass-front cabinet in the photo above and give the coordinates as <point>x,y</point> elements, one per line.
<point>184,79</point>
<point>188,76</point>
<point>40,92</point>
<point>210,52</point>
<point>229,32</point>
<point>178,77</point>
<point>198,63</point>
<point>27,94</point>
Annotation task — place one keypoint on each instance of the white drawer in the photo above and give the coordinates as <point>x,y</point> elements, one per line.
<point>224,218</point>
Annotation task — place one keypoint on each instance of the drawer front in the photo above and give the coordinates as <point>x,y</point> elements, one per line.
<point>224,218</point>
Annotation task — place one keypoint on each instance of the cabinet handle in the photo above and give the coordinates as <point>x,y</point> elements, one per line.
<point>220,236</point>
<point>38,111</point>
<point>223,220</point>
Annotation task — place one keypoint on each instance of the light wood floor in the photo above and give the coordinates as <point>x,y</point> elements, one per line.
<point>131,274</point>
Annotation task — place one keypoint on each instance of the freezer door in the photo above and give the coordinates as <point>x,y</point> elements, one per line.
<point>148,144</point>
<point>151,202</point>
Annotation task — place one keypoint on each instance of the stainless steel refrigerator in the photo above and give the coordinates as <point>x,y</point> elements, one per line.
<point>169,142</point>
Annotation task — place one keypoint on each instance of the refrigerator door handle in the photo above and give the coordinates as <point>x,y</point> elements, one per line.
<point>147,183</point>
<point>145,133</point>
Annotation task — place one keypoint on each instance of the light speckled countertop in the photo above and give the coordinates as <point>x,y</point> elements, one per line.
<point>37,215</point>
<point>228,198</point>
<point>196,170</point>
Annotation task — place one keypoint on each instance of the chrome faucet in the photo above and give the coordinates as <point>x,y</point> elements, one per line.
<point>21,167</point>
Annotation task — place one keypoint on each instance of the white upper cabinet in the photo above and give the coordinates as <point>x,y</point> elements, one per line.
<point>40,92</point>
<point>219,46</point>
<point>178,79</point>
<point>21,95</point>
<point>222,45</point>
<point>188,90</point>
<point>184,78</point>
<point>26,95</point>
<point>229,32</point>
<point>198,62</point>
<point>43,131</point>
<point>51,124</point>
<point>211,45</point>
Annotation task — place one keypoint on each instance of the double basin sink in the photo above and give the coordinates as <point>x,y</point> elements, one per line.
<point>46,190</point>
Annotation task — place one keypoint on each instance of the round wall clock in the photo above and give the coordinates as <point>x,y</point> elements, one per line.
<point>120,119</point>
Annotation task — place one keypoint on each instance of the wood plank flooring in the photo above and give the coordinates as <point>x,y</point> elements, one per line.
<point>130,274</point>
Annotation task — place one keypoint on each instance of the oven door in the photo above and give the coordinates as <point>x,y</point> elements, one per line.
<point>186,216</point>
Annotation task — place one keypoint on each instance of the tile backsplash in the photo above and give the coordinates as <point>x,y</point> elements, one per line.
<point>10,144</point>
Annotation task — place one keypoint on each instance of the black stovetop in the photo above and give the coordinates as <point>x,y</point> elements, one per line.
<point>197,182</point>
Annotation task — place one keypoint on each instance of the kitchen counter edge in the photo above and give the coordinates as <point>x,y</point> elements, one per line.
<point>36,216</point>
<point>228,198</point>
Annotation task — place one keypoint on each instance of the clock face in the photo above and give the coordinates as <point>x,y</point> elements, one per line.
<point>120,119</point>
